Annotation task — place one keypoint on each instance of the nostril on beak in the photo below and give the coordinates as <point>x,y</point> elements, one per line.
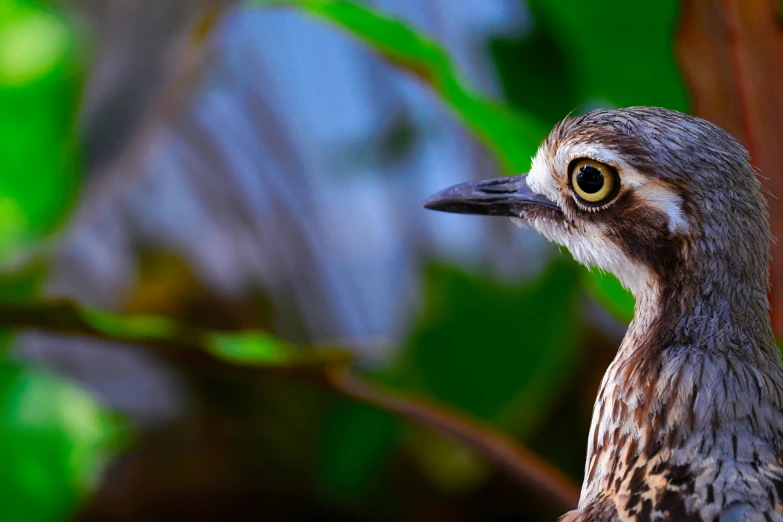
<point>498,190</point>
<point>496,186</point>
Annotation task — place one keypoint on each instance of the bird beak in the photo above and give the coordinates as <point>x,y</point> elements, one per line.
<point>507,196</point>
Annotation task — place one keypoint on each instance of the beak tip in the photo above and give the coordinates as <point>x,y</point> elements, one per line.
<point>436,201</point>
<point>429,205</point>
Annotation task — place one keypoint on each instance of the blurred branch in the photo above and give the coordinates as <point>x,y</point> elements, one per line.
<point>240,348</point>
<point>486,442</point>
<point>137,86</point>
<point>161,69</point>
<point>258,350</point>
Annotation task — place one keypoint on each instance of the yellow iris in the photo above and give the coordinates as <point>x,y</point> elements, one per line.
<point>595,183</point>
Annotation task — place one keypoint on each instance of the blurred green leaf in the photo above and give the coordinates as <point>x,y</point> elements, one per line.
<point>620,53</point>
<point>40,80</point>
<point>54,443</point>
<point>536,69</point>
<point>31,46</point>
<point>512,136</point>
<point>250,347</point>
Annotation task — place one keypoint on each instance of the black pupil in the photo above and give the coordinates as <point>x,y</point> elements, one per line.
<point>590,179</point>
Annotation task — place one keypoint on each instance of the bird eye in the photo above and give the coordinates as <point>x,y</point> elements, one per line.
<point>594,183</point>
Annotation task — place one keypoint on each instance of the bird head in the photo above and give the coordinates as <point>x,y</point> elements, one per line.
<point>660,199</point>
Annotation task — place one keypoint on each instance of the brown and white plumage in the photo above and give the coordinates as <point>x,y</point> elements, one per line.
<point>688,422</point>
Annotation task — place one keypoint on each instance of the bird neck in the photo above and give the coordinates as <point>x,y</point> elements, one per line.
<point>698,373</point>
<point>713,306</point>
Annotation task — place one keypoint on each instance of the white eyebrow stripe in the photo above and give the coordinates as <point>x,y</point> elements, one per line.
<point>592,151</point>
<point>665,200</point>
<point>632,179</point>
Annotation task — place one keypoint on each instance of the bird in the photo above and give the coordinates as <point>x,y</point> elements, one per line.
<point>688,421</point>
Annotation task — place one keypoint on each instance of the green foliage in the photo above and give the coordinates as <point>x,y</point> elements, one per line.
<point>579,55</point>
<point>39,84</point>
<point>251,348</point>
<point>54,443</point>
<point>545,85</point>
<point>621,53</point>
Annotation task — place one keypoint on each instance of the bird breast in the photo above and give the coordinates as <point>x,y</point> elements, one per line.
<point>685,431</point>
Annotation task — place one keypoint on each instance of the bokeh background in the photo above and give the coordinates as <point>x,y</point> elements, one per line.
<point>210,210</point>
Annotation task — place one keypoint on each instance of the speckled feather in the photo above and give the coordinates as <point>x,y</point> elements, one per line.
<point>688,422</point>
